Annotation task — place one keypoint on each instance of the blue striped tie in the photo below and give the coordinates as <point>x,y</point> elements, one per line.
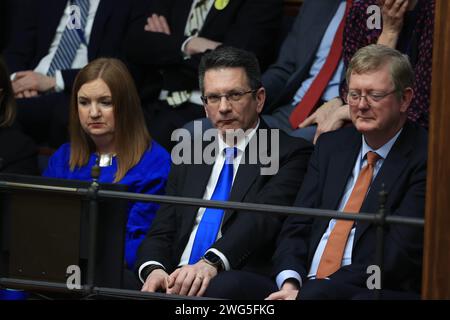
<point>209,226</point>
<point>71,39</point>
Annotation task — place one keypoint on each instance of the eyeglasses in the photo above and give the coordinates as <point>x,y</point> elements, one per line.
<point>232,96</point>
<point>354,97</point>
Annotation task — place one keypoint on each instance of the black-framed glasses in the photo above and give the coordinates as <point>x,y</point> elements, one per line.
<point>354,97</point>
<point>232,96</point>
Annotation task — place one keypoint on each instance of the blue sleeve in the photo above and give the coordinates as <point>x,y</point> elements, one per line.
<point>58,164</point>
<point>141,214</point>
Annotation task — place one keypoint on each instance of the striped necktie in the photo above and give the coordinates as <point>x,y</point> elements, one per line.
<point>196,18</point>
<point>72,37</point>
<point>194,24</point>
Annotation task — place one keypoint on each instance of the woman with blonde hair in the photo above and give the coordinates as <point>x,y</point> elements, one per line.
<point>107,127</point>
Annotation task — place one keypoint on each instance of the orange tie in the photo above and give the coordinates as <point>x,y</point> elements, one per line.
<point>331,258</point>
<point>306,106</point>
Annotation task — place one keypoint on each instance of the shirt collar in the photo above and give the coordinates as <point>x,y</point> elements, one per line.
<point>242,144</point>
<point>383,151</point>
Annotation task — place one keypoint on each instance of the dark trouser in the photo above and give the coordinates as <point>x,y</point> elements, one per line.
<point>240,285</point>
<point>45,118</point>
<point>164,119</point>
<point>332,290</point>
<point>130,280</point>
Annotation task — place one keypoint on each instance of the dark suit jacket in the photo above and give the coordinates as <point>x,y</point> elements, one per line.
<point>32,37</point>
<point>18,153</point>
<point>297,53</point>
<point>4,23</point>
<point>247,238</point>
<point>248,24</point>
<point>402,176</point>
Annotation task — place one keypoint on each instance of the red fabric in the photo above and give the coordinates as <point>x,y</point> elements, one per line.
<point>305,107</point>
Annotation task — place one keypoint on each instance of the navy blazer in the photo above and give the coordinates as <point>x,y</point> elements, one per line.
<point>402,176</point>
<point>298,52</point>
<point>247,238</point>
<point>35,28</point>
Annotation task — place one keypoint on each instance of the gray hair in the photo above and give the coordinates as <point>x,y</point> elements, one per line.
<point>375,56</point>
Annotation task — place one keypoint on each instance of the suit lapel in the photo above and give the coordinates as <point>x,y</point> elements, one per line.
<point>102,15</point>
<point>386,178</point>
<point>339,170</point>
<point>51,20</point>
<point>197,178</point>
<point>247,172</point>
<point>245,176</point>
<point>180,12</point>
<point>211,16</point>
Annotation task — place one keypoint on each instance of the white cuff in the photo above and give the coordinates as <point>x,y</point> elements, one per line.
<point>147,264</point>
<point>288,274</point>
<point>59,86</point>
<point>222,257</point>
<point>59,81</point>
<point>183,47</point>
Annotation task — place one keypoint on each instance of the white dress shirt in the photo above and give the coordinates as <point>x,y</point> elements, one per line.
<point>186,30</point>
<point>332,89</point>
<point>214,177</point>
<point>195,96</point>
<point>361,161</point>
<point>81,57</point>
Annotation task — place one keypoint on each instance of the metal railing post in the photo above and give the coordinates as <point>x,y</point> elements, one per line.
<point>93,221</point>
<point>379,250</point>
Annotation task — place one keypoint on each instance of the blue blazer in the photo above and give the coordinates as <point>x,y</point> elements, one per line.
<point>148,176</point>
<point>402,176</point>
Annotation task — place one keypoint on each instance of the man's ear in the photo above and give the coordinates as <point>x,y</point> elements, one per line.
<point>260,99</point>
<point>407,96</point>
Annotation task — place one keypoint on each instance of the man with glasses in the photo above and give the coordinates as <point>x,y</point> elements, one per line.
<point>336,259</point>
<point>187,246</point>
<point>168,40</point>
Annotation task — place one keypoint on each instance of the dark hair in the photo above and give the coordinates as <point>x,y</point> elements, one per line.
<point>131,137</point>
<point>7,102</point>
<point>230,57</point>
